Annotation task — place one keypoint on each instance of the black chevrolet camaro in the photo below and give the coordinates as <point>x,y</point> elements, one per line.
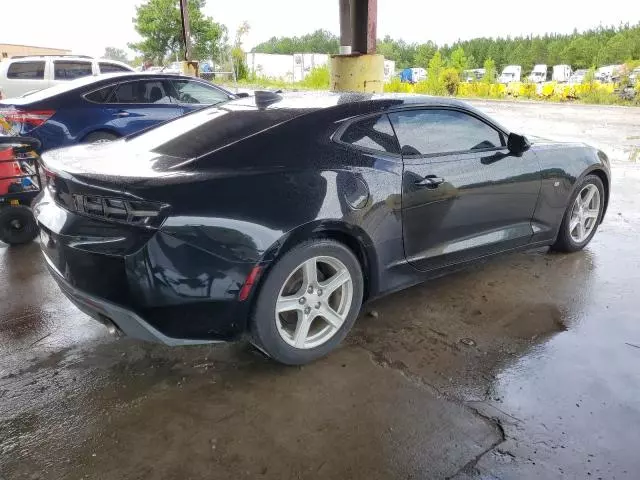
<point>279,215</point>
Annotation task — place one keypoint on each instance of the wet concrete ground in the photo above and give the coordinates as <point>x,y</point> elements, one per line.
<point>522,367</point>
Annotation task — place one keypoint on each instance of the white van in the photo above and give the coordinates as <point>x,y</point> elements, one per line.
<point>19,75</point>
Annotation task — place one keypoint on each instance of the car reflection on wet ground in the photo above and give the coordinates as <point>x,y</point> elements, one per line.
<point>522,367</point>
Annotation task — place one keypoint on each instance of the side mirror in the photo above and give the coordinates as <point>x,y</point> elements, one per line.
<point>517,144</point>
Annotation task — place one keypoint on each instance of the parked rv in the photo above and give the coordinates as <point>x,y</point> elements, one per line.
<point>473,75</point>
<point>577,77</point>
<point>609,73</point>
<point>561,73</point>
<point>510,73</point>
<point>539,74</point>
<point>413,75</point>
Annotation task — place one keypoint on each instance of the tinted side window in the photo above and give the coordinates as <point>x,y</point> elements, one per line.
<point>65,70</point>
<point>143,91</point>
<point>196,92</point>
<point>26,70</point>
<point>374,133</point>
<point>423,132</point>
<point>111,68</point>
<point>100,96</point>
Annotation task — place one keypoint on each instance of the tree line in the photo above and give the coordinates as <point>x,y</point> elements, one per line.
<point>595,47</point>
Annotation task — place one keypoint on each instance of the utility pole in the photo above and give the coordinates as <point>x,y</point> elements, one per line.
<point>186,32</point>
<point>188,67</point>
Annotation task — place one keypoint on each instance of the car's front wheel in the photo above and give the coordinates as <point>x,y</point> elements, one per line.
<point>308,302</point>
<point>582,217</point>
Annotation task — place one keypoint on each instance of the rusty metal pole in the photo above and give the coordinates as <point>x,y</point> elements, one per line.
<point>346,36</point>
<point>359,69</point>
<point>359,26</point>
<point>372,26</point>
<point>186,31</point>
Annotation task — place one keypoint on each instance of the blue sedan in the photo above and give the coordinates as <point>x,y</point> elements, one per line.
<point>104,108</point>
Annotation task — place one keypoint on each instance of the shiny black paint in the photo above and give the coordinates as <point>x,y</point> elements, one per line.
<point>242,204</point>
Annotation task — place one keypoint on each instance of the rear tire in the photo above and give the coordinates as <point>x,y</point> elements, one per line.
<point>100,137</point>
<point>580,223</point>
<point>308,302</point>
<point>17,225</point>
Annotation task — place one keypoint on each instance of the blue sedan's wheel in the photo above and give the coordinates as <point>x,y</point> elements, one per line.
<point>100,137</point>
<point>308,302</point>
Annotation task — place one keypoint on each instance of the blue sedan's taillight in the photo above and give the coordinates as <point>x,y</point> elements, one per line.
<point>14,121</point>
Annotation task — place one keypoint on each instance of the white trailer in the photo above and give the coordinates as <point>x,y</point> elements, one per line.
<point>510,73</point>
<point>303,63</point>
<point>389,70</point>
<point>271,66</point>
<point>608,73</point>
<point>538,74</point>
<point>561,73</point>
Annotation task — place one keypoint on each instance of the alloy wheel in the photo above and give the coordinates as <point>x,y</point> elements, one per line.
<point>585,213</point>
<point>314,302</point>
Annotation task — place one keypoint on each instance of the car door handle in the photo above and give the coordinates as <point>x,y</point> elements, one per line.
<point>430,181</point>
<point>122,113</point>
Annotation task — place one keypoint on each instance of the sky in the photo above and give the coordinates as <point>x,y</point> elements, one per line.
<point>88,26</point>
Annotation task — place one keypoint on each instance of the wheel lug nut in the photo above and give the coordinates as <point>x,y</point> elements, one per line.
<point>317,305</point>
<point>307,310</point>
<point>319,292</point>
<point>302,301</point>
<point>310,289</point>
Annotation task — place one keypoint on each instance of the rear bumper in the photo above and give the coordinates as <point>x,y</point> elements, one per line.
<point>127,321</point>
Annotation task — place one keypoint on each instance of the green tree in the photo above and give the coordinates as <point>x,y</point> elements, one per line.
<point>237,55</point>
<point>404,54</point>
<point>159,24</point>
<point>118,54</point>
<point>320,41</point>
<point>471,61</point>
<point>450,79</point>
<point>434,75</point>
<point>458,60</point>
<point>423,54</point>
<point>489,71</point>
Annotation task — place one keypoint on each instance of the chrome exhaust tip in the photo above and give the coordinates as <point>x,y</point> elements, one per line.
<point>112,328</point>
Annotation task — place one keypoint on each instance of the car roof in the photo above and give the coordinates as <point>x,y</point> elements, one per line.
<point>31,57</point>
<point>318,100</point>
<point>83,82</point>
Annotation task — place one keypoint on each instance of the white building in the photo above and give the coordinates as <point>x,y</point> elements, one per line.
<point>294,68</point>
<point>290,68</point>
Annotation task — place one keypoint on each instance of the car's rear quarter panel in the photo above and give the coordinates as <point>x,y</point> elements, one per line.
<point>272,191</point>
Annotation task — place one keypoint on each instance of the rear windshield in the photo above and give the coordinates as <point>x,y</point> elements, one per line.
<point>209,129</point>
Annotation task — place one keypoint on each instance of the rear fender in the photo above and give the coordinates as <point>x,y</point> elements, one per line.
<point>351,235</point>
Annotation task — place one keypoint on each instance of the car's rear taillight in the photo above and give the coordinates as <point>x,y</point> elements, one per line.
<point>14,121</point>
<point>133,212</point>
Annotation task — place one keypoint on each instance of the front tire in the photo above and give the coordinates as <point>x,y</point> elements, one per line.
<point>308,302</point>
<point>582,217</point>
